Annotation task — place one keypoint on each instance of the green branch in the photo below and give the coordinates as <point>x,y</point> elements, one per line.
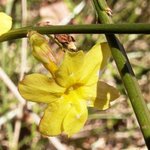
<point>126,72</point>
<point>93,29</point>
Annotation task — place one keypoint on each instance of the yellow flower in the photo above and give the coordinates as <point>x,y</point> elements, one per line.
<point>5,23</point>
<point>76,85</point>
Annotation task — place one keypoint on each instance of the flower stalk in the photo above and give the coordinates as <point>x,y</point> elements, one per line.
<point>127,74</point>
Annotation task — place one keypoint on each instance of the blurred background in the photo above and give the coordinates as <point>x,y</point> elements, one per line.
<point>113,129</point>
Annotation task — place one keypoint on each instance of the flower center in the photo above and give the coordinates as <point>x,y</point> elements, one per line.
<point>72,88</point>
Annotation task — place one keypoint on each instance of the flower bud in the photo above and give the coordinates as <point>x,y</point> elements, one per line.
<point>42,51</point>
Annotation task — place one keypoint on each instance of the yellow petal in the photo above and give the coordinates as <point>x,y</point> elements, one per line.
<point>69,71</point>
<point>88,93</point>
<point>40,88</point>
<point>105,94</point>
<point>51,122</point>
<point>106,53</point>
<point>75,118</point>
<point>95,60</point>
<point>6,23</point>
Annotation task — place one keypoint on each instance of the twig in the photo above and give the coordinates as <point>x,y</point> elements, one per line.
<point>11,85</point>
<point>10,115</point>
<point>24,41</point>
<point>79,29</point>
<point>75,12</point>
<point>18,123</point>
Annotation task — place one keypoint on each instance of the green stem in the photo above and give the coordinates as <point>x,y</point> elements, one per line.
<point>128,77</point>
<point>93,29</point>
